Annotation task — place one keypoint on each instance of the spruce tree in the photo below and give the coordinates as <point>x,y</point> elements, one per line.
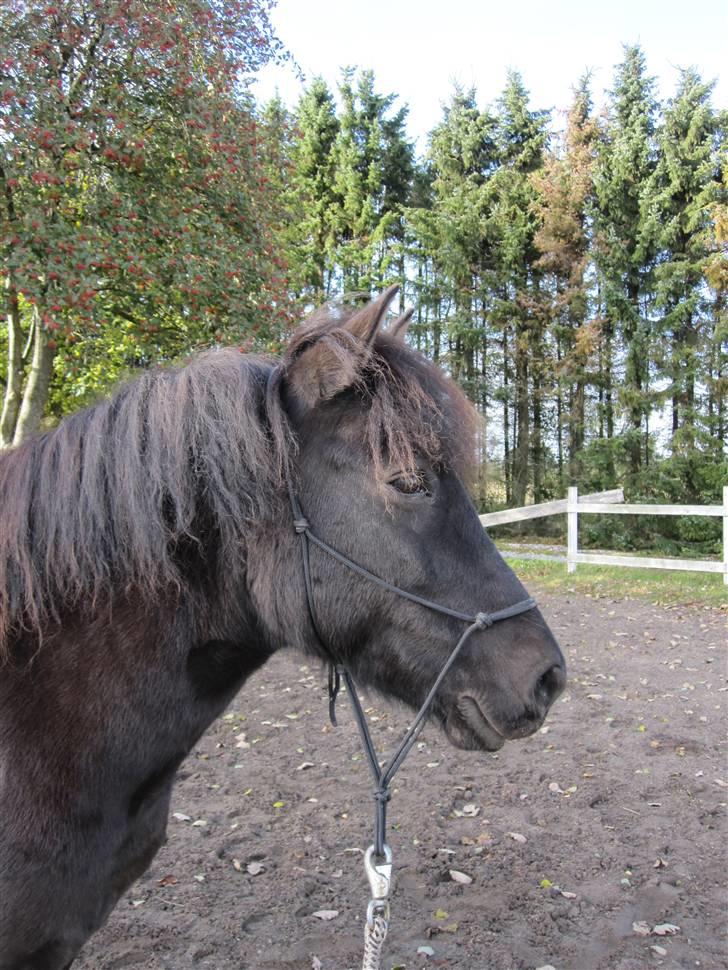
<point>566,190</point>
<point>677,217</point>
<point>521,136</point>
<point>312,196</point>
<point>624,253</point>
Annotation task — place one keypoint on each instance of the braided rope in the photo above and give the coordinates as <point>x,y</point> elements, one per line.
<point>375,933</point>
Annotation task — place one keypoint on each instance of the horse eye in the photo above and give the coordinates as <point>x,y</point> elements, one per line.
<point>410,484</point>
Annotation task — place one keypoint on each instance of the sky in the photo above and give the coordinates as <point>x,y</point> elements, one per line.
<point>419,49</point>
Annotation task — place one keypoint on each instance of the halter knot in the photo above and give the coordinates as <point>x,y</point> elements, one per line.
<point>483,621</point>
<point>301,525</point>
<point>382,795</point>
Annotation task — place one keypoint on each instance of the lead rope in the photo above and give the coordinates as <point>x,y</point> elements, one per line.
<point>375,933</point>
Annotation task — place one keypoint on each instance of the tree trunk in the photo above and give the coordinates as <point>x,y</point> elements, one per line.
<point>35,396</point>
<point>506,423</point>
<point>537,447</point>
<point>520,462</point>
<point>576,430</point>
<point>13,388</point>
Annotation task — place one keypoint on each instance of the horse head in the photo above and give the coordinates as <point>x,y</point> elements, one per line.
<point>385,442</point>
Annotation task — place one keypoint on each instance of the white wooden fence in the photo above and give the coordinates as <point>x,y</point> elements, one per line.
<point>612,503</point>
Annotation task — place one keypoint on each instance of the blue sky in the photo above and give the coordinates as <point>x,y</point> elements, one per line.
<point>418,50</point>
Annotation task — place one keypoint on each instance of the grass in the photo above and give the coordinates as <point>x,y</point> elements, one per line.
<point>658,586</point>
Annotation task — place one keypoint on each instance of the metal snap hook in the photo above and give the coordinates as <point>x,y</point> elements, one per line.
<point>379,874</point>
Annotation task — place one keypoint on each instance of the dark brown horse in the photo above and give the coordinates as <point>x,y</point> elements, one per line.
<point>148,565</point>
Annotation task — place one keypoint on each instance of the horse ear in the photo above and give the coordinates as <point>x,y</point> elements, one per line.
<point>330,364</point>
<point>365,322</point>
<point>399,327</point>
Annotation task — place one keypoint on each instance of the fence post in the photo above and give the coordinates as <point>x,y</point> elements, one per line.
<point>725,535</point>
<point>572,528</point>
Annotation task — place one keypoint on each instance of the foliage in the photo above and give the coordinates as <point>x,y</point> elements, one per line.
<point>131,190</point>
<point>570,274</point>
<point>573,281</point>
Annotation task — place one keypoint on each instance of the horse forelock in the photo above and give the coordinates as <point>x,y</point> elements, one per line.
<point>415,412</point>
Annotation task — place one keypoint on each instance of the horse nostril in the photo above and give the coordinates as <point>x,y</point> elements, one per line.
<point>549,685</point>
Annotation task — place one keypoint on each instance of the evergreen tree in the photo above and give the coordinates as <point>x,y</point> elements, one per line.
<point>566,190</point>
<point>461,158</point>
<point>374,162</point>
<point>624,254</point>
<point>677,217</point>
<point>313,198</point>
<point>521,137</point>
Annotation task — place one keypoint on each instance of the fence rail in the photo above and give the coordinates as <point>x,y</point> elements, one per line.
<point>548,508</point>
<point>612,503</point>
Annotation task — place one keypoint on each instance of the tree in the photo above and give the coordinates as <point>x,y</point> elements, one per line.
<point>133,214</point>
<point>313,199</point>
<point>677,217</point>
<point>461,157</point>
<point>373,173</point>
<point>521,138</point>
<point>624,255</point>
<point>565,197</point>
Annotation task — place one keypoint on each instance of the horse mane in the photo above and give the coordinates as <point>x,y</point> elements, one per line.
<point>186,457</point>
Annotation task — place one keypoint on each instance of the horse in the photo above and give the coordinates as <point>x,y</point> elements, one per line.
<point>149,564</point>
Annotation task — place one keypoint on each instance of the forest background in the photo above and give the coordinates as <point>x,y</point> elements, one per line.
<point>569,270</point>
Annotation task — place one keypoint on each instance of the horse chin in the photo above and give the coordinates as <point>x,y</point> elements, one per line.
<point>468,728</point>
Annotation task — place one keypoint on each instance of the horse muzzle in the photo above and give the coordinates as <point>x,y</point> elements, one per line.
<point>477,722</point>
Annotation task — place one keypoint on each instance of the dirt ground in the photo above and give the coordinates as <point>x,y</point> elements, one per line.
<point>580,841</point>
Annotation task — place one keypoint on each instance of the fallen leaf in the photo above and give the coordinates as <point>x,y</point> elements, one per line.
<point>440,914</point>
<point>169,880</point>
<point>316,964</point>
<point>255,868</point>
<point>181,817</point>
<point>304,765</point>
<point>426,951</point>
<point>326,914</point>
<point>641,928</point>
<point>517,837</point>
<point>665,929</point>
<point>200,823</point>
<point>460,877</point>
<point>659,951</point>
<point>237,864</point>
<point>278,804</point>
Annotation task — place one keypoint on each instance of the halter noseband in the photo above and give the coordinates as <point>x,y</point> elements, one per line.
<point>478,621</point>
